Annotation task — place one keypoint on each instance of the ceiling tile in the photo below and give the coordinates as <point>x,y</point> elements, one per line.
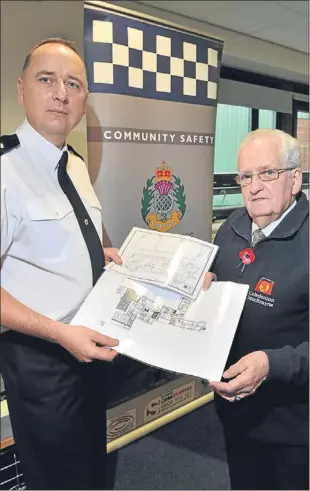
<point>194,9</point>
<point>286,34</point>
<point>281,22</point>
<point>300,6</point>
<point>249,17</point>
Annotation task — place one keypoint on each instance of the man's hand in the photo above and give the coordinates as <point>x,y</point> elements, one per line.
<point>209,277</point>
<point>86,344</point>
<point>111,254</point>
<point>247,375</point>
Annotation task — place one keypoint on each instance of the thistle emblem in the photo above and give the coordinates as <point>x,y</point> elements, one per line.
<point>163,202</point>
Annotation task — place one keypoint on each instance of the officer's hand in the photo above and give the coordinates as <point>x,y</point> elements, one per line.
<point>111,254</point>
<point>209,277</point>
<point>86,344</point>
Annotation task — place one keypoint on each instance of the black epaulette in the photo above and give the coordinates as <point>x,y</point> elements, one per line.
<point>71,149</point>
<point>7,143</point>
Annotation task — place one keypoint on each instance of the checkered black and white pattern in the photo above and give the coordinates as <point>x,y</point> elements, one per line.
<point>128,56</point>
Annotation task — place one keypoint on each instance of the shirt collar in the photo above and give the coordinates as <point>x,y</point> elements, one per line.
<point>36,143</point>
<point>270,228</point>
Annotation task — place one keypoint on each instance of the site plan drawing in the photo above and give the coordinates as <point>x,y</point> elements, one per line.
<point>164,329</point>
<point>172,261</point>
<point>133,306</point>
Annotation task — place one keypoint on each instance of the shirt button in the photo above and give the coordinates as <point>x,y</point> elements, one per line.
<point>57,214</point>
<point>86,221</point>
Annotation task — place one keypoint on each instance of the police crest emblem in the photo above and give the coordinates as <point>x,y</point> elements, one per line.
<point>163,202</point>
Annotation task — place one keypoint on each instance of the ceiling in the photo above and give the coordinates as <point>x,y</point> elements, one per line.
<point>285,23</point>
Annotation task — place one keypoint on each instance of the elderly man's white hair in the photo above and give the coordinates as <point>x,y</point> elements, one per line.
<point>289,148</point>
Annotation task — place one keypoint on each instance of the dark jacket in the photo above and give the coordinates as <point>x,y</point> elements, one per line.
<point>275,319</point>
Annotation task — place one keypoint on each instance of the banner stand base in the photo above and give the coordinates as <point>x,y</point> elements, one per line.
<point>148,428</point>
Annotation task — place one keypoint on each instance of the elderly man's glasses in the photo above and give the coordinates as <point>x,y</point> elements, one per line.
<point>264,175</point>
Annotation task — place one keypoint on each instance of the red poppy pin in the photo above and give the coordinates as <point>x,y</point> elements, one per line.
<point>247,256</point>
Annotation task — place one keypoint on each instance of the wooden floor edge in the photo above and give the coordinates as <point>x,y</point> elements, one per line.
<point>7,443</point>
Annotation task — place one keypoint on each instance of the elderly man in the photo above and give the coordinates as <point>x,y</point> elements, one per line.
<point>51,256</point>
<point>262,399</point>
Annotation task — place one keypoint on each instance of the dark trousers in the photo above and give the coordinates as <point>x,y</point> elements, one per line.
<point>259,465</point>
<point>57,408</point>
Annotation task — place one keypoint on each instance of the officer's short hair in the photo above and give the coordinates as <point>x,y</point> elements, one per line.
<point>55,40</point>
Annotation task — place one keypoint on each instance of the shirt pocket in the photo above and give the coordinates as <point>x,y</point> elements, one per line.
<point>41,210</point>
<point>52,232</point>
<point>90,200</point>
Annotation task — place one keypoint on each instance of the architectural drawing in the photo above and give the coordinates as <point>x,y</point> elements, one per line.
<point>159,327</point>
<point>133,306</point>
<point>173,261</point>
<point>147,263</point>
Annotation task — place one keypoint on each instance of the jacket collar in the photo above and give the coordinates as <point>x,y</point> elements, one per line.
<point>242,222</point>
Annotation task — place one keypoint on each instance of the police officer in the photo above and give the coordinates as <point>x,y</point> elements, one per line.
<point>51,257</point>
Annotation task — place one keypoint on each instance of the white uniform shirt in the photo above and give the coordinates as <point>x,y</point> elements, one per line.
<point>45,261</point>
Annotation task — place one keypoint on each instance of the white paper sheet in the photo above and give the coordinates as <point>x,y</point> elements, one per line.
<point>176,262</point>
<point>163,329</point>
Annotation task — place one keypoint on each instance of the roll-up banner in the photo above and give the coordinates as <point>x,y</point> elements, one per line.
<point>151,115</point>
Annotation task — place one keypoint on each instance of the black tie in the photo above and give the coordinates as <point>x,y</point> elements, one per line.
<point>90,234</point>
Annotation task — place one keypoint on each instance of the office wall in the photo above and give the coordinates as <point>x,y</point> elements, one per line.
<point>23,24</point>
<point>255,96</point>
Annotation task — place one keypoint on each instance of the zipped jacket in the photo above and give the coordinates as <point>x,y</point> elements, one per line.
<point>275,319</point>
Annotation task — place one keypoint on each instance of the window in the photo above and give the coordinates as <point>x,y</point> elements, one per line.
<point>302,135</point>
<point>300,131</point>
<point>232,124</point>
<point>267,119</point>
